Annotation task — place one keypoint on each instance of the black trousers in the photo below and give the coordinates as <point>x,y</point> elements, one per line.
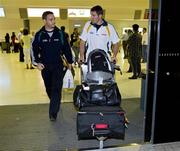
<point>21,54</point>
<point>124,44</point>
<point>53,80</point>
<point>136,65</point>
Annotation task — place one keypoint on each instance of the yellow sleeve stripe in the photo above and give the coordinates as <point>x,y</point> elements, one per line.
<point>89,28</point>
<point>107,28</point>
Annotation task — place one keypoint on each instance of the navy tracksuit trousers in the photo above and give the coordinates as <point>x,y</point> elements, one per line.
<point>53,80</point>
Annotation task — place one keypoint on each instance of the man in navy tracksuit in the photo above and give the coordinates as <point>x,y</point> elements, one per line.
<point>47,47</point>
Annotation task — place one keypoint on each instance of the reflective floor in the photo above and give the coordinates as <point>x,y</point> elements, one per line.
<point>174,146</point>
<point>19,85</point>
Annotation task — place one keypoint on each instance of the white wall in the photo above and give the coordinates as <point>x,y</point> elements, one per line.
<point>36,24</point>
<point>14,25</point>
<point>120,24</point>
<point>10,25</point>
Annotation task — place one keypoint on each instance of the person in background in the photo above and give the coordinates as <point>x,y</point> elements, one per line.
<point>66,34</point>
<point>130,32</point>
<point>144,45</point>
<point>7,41</point>
<point>124,43</point>
<point>75,42</point>
<point>134,49</point>
<point>25,42</point>
<point>13,42</point>
<point>21,53</point>
<point>32,35</point>
<point>47,47</point>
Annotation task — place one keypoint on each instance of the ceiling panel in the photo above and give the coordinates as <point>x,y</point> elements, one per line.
<point>118,9</point>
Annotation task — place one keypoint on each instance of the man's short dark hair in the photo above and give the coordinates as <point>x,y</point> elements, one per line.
<point>25,31</point>
<point>135,27</point>
<point>98,9</point>
<point>44,15</point>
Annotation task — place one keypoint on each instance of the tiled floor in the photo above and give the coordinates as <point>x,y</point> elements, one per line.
<point>174,146</point>
<point>21,86</point>
<point>27,128</point>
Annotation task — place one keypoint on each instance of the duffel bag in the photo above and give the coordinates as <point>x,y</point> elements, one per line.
<point>102,95</point>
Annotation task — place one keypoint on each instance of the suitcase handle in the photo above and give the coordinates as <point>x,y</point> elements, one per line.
<point>101,126</point>
<point>99,130</point>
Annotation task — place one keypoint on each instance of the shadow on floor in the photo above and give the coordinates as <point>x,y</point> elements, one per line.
<point>27,127</point>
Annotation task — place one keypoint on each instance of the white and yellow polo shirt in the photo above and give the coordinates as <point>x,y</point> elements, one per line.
<point>99,39</point>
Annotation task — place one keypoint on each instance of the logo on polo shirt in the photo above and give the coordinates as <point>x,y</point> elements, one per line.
<point>104,34</point>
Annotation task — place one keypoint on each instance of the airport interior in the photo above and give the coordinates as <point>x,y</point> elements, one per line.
<point>24,121</point>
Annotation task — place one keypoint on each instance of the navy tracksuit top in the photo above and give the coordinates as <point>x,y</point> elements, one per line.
<point>48,50</point>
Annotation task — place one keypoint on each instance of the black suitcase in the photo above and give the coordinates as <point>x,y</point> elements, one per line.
<point>96,122</point>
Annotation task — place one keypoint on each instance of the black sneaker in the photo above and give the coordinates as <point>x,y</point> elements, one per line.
<point>32,68</point>
<point>52,118</point>
<point>133,77</point>
<point>129,71</point>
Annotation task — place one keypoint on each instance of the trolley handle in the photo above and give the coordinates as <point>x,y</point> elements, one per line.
<point>117,67</point>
